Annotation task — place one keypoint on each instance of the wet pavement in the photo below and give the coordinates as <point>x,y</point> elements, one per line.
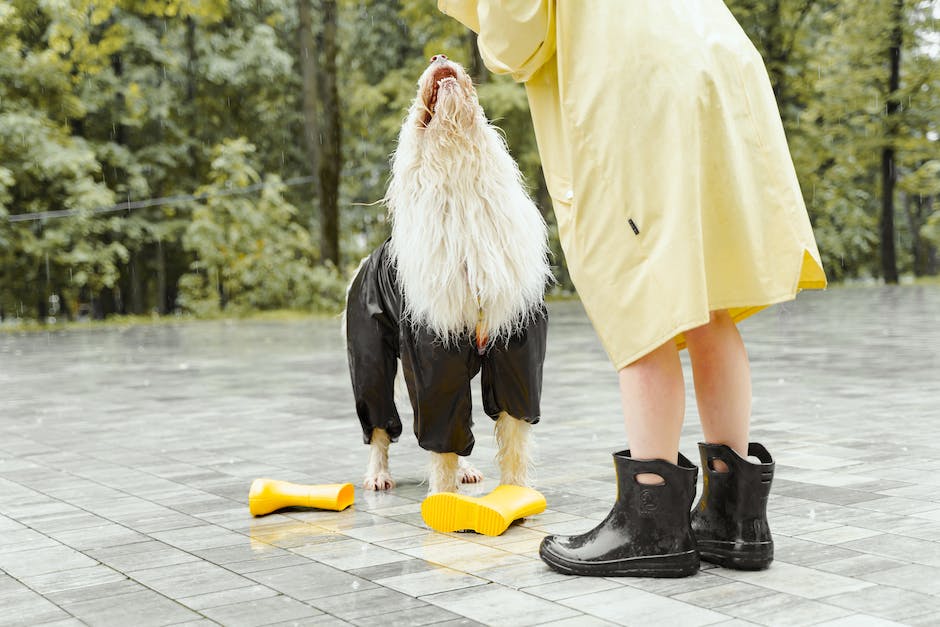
<point>126,455</point>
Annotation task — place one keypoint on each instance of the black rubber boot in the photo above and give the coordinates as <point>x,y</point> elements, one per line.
<point>730,520</point>
<point>646,534</point>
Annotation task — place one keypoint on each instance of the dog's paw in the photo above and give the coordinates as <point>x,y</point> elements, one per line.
<point>468,474</point>
<point>379,481</point>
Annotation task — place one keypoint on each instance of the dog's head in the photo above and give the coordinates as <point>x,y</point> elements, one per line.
<point>466,236</point>
<point>446,98</point>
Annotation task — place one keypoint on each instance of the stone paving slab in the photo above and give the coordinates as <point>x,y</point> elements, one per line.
<point>126,456</point>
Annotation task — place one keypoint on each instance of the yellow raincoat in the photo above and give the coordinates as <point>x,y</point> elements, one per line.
<point>665,157</point>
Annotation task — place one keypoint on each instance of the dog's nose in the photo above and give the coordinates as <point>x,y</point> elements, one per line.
<point>438,57</point>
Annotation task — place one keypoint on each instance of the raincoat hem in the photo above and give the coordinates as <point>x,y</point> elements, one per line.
<point>745,310</point>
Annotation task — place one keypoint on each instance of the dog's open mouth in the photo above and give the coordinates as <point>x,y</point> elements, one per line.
<point>442,75</point>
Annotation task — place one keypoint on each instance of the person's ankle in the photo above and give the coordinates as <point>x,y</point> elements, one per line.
<point>649,478</point>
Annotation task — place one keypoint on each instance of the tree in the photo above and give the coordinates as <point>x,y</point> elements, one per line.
<point>110,101</point>
<point>307,57</point>
<point>919,140</point>
<point>776,27</point>
<point>330,164</point>
<point>250,252</point>
<point>889,267</point>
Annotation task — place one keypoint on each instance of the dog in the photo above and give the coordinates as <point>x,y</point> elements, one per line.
<point>456,290</point>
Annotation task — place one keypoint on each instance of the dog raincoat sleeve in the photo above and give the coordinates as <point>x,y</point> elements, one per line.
<point>665,157</point>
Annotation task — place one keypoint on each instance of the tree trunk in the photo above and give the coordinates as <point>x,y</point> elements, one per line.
<point>161,279</point>
<point>925,260</point>
<point>106,302</point>
<point>307,55</point>
<point>775,50</point>
<point>135,285</point>
<point>781,39</point>
<point>915,220</point>
<point>932,265</point>
<point>220,287</point>
<point>192,80</point>
<point>889,266</point>
<point>331,155</point>
<point>119,134</point>
<point>130,277</point>
<point>64,310</point>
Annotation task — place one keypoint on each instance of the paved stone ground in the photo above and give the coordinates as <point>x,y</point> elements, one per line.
<point>126,456</point>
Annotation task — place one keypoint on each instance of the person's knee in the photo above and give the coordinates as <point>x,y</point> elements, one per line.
<point>718,323</point>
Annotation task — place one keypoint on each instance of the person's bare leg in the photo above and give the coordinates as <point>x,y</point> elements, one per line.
<point>722,377</point>
<point>652,392</point>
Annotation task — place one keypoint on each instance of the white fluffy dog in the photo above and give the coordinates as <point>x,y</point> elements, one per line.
<point>457,289</point>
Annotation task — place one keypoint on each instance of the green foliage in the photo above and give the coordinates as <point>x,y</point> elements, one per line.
<point>250,253</point>
<point>105,101</point>
<point>829,65</point>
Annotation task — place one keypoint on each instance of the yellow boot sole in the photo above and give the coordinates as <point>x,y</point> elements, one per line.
<point>489,515</point>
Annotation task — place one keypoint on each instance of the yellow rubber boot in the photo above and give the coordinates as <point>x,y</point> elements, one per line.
<point>268,495</point>
<point>490,514</point>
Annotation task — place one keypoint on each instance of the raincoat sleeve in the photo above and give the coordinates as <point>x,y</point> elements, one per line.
<point>516,37</point>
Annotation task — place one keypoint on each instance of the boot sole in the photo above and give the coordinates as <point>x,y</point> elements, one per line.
<point>489,515</point>
<point>671,565</point>
<point>446,512</point>
<point>748,556</point>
